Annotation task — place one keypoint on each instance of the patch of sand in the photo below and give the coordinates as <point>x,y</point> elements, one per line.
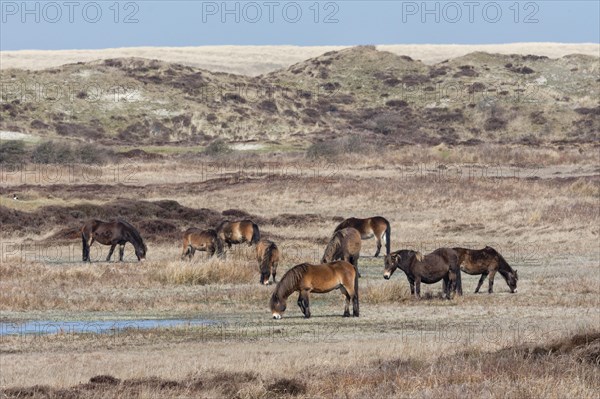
<point>256,60</point>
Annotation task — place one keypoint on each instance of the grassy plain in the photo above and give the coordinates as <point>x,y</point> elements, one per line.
<point>537,206</point>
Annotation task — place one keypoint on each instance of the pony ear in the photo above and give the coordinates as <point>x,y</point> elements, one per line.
<point>516,274</point>
<point>419,256</point>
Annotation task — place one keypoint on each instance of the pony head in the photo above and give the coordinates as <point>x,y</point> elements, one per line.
<point>278,306</point>
<point>511,280</point>
<point>390,262</point>
<point>399,259</point>
<point>140,252</point>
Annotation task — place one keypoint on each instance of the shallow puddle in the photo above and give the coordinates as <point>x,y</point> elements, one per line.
<point>45,327</point>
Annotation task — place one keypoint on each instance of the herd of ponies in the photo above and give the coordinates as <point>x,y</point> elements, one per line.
<point>339,265</point>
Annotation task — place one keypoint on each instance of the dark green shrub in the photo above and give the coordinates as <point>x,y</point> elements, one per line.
<point>12,151</point>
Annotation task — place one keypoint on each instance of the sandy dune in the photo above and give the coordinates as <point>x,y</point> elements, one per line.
<point>255,60</point>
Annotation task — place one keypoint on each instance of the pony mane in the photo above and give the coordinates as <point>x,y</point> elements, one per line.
<point>290,280</point>
<point>132,231</point>
<point>333,245</point>
<point>502,263</point>
<point>503,267</point>
<point>221,224</point>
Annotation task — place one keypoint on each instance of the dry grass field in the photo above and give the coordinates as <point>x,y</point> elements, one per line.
<point>537,206</point>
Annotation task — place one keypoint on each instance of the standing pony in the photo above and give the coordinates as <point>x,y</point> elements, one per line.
<point>377,227</point>
<point>267,255</point>
<point>238,232</point>
<point>306,278</point>
<point>195,239</point>
<point>345,245</point>
<point>487,262</point>
<point>112,233</point>
<point>441,264</point>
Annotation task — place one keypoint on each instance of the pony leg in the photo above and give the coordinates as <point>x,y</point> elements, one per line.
<point>418,288</point>
<point>112,249</point>
<point>355,310</point>
<point>481,280</point>
<point>185,252</point>
<point>121,252</point>
<point>491,282</point>
<point>459,282</point>
<point>411,282</point>
<point>88,245</point>
<point>348,297</point>
<point>450,285</point>
<point>85,249</point>
<point>274,271</point>
<point>354,261</point>
<point>378,247</point>
<point>355,307</point>
<point>303,302</point>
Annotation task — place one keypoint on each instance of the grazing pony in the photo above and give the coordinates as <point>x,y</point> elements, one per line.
<point>487,262</point>
<point>377,227</point>
<point>306,278</point>
<point>195,239</point>
<point>238,232</point>
<point>345,245</point>
<point>441,264</point>
<point>112,233</point>
<point>267,255</point>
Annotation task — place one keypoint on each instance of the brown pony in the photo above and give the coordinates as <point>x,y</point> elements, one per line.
<point>377,227</point>
<point>238,232</point>
<point>202,240</point>
<point>344,245</point>
<point>306,278</point>
<point>487,262</point>
<point>112,233</point>
<point>441,264</point>
<point>267,255</point>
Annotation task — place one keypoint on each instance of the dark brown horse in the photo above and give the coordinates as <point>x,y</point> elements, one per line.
<point>377,227</point>
<point>487,262</point>
<point>112,233</point>
<point>195,239</point>
<point>345,245</point>
<point>238,232</point>
<point>267,255</point>
<point>441,264</point>
<point>306,278</point>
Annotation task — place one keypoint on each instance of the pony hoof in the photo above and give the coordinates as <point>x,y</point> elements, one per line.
<point>346,314</point>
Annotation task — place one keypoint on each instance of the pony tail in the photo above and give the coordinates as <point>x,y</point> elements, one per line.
<point>356,282</point>
<point>388,233</point>
<point>255,234</point>
<point>85,247</point>
<point>266,259</point>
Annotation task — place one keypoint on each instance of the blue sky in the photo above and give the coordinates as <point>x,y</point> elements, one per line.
<point>74,24</point>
